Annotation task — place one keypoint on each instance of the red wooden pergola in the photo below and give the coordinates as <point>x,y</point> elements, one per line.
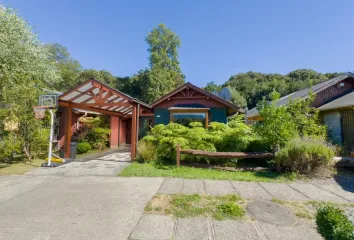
<point>95,96</point>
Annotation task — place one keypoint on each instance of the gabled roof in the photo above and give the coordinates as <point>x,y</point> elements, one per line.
<point>202,91</point>
<point>98,97</point>
<point>304,92</point>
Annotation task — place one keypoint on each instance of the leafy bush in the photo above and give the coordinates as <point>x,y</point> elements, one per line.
<point>94,131</point>
<point>304,155</point>
<point>83,147</point>
<point>218,137</point>
<point>333,224</point>
<point>146,151</point>
<point>282,123</point>
<point>9,145</point>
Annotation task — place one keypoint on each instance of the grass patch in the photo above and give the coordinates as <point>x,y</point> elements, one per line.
<point>19,167</point>
<point>307,210</point>
<point>149,170</point>
<point>194,205</point>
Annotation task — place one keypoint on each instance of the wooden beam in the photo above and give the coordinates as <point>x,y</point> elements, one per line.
<point>193,97</point>
<point>146,114</point>
<point>100,95</point>
<point>109,94</point>
<point>191,110</point>
<point>178,158</point>
<point>133,132</point>
<point>104,104</point>
<point>83,107</point>
<point>94,96</point>
<point>68,133</point>
<point>228,154</point>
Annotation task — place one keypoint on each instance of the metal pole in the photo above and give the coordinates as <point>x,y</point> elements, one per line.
<point>50,137</point>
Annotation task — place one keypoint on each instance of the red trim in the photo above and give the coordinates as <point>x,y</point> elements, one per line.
<point>202,91</point>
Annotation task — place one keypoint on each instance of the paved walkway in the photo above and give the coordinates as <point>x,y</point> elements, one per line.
<point>108,163</point>
<point>259,191</point>
<point>84,200</point>
<point>156,227</point>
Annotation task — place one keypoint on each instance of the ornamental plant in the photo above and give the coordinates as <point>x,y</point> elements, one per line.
<point>234,136</point>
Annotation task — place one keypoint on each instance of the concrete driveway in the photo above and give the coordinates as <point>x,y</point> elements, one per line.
<point>109,164</point>
<point>86,207</point>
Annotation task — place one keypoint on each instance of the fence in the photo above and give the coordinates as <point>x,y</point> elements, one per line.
<point>222,155</point>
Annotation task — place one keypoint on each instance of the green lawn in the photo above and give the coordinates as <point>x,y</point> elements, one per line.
<point>149,170</point>
<point>19,167</point>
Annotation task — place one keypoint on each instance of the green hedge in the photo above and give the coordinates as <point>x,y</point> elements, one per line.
<point>83,147</point>
<point>333,224</point>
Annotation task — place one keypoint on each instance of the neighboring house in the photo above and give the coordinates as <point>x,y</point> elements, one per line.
<point>189,103</point>
<point>335,101</point>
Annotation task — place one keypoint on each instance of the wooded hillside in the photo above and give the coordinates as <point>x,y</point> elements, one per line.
<point>253,86</point>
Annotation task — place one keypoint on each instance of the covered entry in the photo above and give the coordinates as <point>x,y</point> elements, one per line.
<point>95,96</point>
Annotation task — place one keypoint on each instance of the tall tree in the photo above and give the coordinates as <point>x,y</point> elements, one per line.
<point>102,75</point>
<point>21,53</point>
<point>68,67</point>
<point>24,68</point>
<point>165,72</point>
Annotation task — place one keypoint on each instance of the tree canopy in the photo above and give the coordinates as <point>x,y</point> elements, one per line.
<point>69,68</point>
<point>165,73</point>
<point>253,86</point>
<point>25,67</point>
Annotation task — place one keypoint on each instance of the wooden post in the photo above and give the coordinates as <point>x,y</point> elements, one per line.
<point>68,133</point>
<point>206,119</point>
<point>133,132</point>
<point>178,159</point>
<point>275,150</point>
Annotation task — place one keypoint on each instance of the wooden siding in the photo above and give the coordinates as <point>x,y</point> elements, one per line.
<point>333,92</point>
<point>347,117</point>
<point>208,103</point>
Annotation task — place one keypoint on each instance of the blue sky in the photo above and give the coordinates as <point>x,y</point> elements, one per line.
<point>219,38</point>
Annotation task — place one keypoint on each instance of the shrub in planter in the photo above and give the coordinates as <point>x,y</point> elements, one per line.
<point>83,147</point>
<point>333,224</point>
<point>305,155</point>
<point>146,151</point>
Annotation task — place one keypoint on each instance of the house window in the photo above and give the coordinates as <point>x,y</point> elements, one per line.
<point>185,116</point>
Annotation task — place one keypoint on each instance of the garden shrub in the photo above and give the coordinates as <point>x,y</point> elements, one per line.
<point>234,136</point>
<point>9,146</point>
<point>146,151</point>
<point>99,137</point>
<point>83,147</point>
<point>304,155</point>
<point>333,224</point>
